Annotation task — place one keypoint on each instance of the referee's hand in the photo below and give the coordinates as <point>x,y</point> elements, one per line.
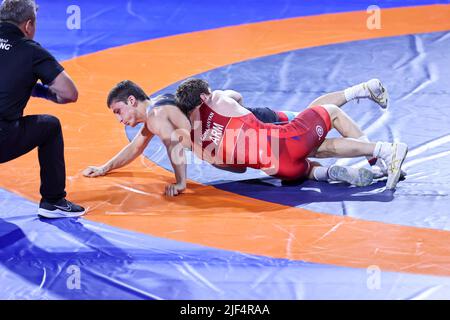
<point>93,172</point>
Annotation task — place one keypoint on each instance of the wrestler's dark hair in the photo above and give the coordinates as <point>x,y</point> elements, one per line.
<point>188,94</point>
<point>123,90</point>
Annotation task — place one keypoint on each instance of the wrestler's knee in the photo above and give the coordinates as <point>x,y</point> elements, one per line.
<point>333,110</point>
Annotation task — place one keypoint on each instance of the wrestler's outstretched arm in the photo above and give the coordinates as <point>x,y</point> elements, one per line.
<point>177,157</point>
<point>124,157</point>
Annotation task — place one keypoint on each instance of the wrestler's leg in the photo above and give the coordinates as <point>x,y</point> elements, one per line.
<point>360,177</point>
<point>372,89</point>
<point>342,122</point>
<point>337,98</point>
<point>316,166</point>
<point>344,148</point>
<point>349,129</point>
<point>392,153</point>
<point>352,145</point>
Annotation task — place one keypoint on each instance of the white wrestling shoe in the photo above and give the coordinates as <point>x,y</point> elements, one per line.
<point>378,93</point>
<point>360,177</point>
<point>394,161</point>
<point>380,170</point>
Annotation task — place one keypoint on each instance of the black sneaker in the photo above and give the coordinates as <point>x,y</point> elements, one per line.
<point>61,209</point>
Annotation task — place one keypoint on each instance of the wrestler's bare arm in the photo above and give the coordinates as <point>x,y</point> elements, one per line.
<point>135,148</point>
<point>164,128</point>
<point>181,124</point>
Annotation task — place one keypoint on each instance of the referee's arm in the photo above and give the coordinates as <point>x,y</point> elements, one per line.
<point>63,89</point>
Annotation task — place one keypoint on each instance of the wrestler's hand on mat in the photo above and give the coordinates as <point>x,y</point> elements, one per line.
<point>173,190</point>
<point>93,172</point>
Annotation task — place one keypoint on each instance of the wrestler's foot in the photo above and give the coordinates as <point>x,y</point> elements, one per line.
<point>377,92</point>
<point>394,158</point>
<point>372,89</point>
<point>61,209</point>
<point>380,170</point>
<point>360,177</point>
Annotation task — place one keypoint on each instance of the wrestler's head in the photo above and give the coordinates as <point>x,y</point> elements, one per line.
<point>190,94</point>
<point>128,103</point>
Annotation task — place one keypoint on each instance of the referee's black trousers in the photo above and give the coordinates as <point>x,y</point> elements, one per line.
<point>20,136</point>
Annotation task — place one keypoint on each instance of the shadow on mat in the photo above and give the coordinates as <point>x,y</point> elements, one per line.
<point>306,192</point>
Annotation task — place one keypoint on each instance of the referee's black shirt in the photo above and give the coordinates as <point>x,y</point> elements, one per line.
<point>22,63</point>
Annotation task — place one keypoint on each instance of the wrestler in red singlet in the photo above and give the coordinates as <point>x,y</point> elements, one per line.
<point>244,141</point>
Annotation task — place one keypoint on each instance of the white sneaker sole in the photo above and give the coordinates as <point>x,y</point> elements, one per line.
<point>358,177</point>
<point>399,155</point>
<point>55,214</point>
